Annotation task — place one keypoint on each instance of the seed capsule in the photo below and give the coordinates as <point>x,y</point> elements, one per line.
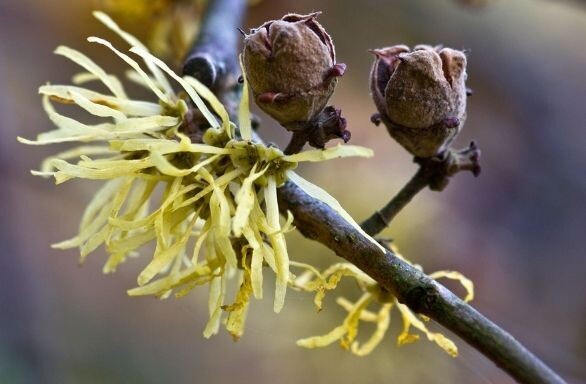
<point>291,68</point>
<point>420,95</point>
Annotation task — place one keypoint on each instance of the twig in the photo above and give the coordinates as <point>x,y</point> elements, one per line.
<point>296,143</point>
<point>319,222</point>
<point>433,173</point>
<point>382,218</point>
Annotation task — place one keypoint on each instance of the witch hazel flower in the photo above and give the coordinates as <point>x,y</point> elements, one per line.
<point>216,221</point>
<point>372,295</point>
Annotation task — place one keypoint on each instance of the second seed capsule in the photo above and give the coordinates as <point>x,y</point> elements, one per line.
<point>420,95</point>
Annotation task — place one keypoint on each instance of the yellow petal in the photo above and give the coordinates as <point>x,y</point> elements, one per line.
<point>101,198</point>
<point>365,315</point>
<point>199,243</point>
<point>345,332</point>
<point>62,93</point>
<point>132,241</point>
<point>117,202</point>
<point>67,170</point>
<point>245,201</point>
<point>167,168</point>
<point>325,340</point>
<point>318,193</point>
<point>454,275</point>
<point>194,275</point>
<point>239,309</point>
<point>353,319</point>
<point>211,98</point>
<point>278,244</point>
<point>215,301</point>
<point>383,320</point>
<point>109,81</point>
<point>72,130</point>
<point>87,77</point>
<point>165,147</point>
<point>220,215</point>
<point>189,89</point>
<point>163,258</point>
<point>95,108</point>
<point>74,153</point>
<point>133,41</point>
<point>156,90</point>
<point>338,151</point>
<point>409,319</point>
<point>93,243</point>
<point>254,239</point>
<point>219,182</point>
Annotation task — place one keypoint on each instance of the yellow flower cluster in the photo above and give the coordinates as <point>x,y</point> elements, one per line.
<point>372,293</point>
<point>210,208</point>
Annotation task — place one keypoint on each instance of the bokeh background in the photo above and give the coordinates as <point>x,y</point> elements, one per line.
<point>518,230</point>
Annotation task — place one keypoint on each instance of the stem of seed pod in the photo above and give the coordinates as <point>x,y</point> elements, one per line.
<point>433,173</point>
<point>296,143</point>
<point>383,217</point>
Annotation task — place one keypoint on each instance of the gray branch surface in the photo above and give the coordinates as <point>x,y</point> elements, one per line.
<point>317,221</point>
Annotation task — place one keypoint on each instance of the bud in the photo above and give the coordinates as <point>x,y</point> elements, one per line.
<point>291,68</point>
<point>420,95</point>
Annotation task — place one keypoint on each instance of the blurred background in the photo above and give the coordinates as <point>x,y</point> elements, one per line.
<point>517,230</point>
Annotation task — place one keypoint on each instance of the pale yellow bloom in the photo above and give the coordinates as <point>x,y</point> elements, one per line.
<point>372,295</point>
<point>209,208</point>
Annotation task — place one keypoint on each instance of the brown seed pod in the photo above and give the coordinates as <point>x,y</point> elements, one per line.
<point>291,68</point>
<point>420,95</point>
